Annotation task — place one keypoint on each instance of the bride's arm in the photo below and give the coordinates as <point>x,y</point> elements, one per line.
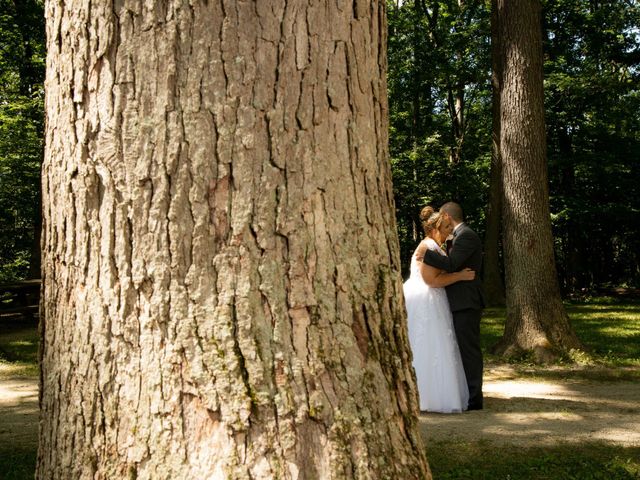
<point>438,278</point>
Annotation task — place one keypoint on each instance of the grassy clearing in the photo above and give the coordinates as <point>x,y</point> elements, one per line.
<point>609,329</point>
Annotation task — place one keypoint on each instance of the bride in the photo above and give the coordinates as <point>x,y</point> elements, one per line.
<point>442,386</point>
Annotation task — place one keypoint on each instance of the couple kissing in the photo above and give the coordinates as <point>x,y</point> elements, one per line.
<point>444,301</point>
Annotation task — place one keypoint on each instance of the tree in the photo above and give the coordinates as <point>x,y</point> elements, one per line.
<point>222,296</point>
<point>536,320</point>
<point>492,278</point>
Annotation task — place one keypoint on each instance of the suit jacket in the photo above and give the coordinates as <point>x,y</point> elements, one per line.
<point>465,252</point>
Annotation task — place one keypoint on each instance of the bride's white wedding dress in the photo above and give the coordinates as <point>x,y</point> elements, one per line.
<point>436,359</point>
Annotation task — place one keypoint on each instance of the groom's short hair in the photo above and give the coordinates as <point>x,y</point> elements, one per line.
<point>453,210</point>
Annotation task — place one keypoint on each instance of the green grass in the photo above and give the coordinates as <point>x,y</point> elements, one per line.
<point>484,460</point>
<point>18,350</point>
<point>610,330</point>
<point>17,464</point>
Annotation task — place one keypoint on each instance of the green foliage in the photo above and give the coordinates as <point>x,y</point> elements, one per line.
<point>592,102</point>
<point>435,52</point>
<point>21,131</point>
<point>592,61</point>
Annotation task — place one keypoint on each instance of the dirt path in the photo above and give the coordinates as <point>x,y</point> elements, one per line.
<point>541,413</point>
<point>518,412</point>
<point>19,411</point>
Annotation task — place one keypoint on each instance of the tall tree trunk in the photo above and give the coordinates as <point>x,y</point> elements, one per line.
<point>492,281</point>
<point>35,257</point>
<point>536,319</point>
<point>222,289</point>
<point>416,119</point>
<point>455,101</point>
<point>575,249</point>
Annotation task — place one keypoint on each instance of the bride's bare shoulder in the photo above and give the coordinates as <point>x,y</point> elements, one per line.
<point>430,243</point>
<point>419,251</point>
<point>423,246</point>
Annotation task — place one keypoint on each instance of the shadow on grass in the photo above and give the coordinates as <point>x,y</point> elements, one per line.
<point>18,417</point>
<point>19,351</point>
<point>568,410</point>
<point>586,373</point>
<point>19,343</point>
<point>17,463</point>
<point>574,430</point>
<point>484,460</point>
<point>574,417</point>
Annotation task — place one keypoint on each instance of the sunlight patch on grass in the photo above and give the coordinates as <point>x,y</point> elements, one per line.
<point>508,389</point>
<point>19,353</point>
<point>18,369</point>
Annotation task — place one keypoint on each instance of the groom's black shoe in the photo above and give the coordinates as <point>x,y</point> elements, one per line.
<point>476,406</point>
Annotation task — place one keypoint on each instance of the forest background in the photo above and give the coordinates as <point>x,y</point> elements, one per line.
<point>440,99</point>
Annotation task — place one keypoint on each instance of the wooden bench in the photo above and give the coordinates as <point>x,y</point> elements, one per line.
<point>20,298</point>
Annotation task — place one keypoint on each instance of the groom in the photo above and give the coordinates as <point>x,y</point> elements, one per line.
<point>465,298</point>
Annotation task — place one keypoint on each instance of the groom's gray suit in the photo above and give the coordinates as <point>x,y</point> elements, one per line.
<point>466,301</point>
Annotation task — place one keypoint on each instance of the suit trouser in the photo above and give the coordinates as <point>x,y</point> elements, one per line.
<point>467,326</point>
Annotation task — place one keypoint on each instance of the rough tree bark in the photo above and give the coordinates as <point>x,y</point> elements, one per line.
<point>536,319</point>
<point>222,290</point>
<point>492,273</point>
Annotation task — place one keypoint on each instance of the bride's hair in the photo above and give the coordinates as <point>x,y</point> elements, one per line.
<point>431,220</point>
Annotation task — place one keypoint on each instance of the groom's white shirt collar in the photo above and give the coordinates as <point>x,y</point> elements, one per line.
<point>457,227</point>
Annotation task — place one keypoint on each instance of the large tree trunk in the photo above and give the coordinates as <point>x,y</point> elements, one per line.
<point>536,319</point>
<point>492,281</point>
<point>222,289</point>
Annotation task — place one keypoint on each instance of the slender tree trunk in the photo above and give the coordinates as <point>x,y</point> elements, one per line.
<point>575,249</point>
<point>35,257</point>
<point>492,281</point>
<point>536,319</point>
<point>456,100</point>
<point>222,289</point>
<point>416,106</point>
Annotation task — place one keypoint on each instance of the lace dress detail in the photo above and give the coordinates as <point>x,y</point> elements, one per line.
<point>436,358</point>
